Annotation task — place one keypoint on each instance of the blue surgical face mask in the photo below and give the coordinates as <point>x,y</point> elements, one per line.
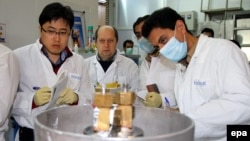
<point>129,51</point>
<point>145,45</point>
<point>174,50</point>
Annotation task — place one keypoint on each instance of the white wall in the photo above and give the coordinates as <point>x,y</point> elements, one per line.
<point>195,5</point>
<point>21,18</point>
<point>123,19</point>
<point>127,12</point>
<point>101,14</point>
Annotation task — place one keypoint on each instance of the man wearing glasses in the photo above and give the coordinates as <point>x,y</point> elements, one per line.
<point>41,65</point>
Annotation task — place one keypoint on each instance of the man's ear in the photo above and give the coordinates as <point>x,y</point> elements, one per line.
<point>180,25</point>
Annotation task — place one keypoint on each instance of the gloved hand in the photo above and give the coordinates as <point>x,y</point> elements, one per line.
<point>67,97</point>
<point>42,96</point>
<point>153,99</point>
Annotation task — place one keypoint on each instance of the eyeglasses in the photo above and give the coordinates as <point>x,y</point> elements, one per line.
<point>53,32</point>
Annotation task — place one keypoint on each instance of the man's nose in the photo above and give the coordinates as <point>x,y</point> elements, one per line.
<point>57,37</point>
<point>106,43</point>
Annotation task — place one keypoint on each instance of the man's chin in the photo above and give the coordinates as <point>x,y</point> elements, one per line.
<point>53,52</point>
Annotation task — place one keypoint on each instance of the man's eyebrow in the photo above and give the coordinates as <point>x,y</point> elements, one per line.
<point>159,40</point>
<point>51,27</point>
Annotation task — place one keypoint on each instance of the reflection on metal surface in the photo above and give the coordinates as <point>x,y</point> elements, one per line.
<point>135,132</point>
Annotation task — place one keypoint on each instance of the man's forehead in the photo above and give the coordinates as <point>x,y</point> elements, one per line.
<point>106,31</point>
<point>154,36</point>
<point>128,44</point>
<point>139,26</point>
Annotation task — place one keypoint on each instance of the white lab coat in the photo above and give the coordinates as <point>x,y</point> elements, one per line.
<point>9,75</point>
<point>37,71</point>
<point>214,90</point>
<point>161,72</point>
<point>122,69</point>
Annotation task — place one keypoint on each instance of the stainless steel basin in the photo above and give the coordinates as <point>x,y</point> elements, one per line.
<point>68,124</point>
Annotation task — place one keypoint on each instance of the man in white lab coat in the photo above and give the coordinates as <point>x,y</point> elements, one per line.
<point>108,66</point>
<point>153,64</point>
<point>41,65</point>
<point>214,88</point>
<point>159,68</point>
<point>9,75</point>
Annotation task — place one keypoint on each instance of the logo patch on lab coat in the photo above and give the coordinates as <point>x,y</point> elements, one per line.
<point>74,81</point>
<point>200,83</point>
<point>75,76</point>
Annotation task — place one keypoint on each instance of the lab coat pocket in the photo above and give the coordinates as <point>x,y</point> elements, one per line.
<point>74,81</point>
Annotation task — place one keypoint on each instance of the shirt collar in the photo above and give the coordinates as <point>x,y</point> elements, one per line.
<point>112,58</point>
<point>190,53</point>
<point>63,56</point>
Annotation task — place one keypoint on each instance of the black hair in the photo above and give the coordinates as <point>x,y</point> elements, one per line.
<point>236,42</point>
<point>139,20</point>
<point>128,41</point>
<point>55,11</point>
<point>162,18</point>
<point>208,30</point>
<point>114,29</point>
